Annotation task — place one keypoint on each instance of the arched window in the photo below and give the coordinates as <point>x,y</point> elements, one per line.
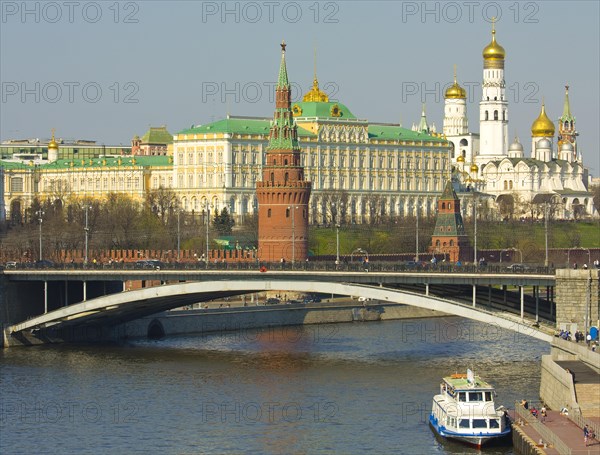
<point>510,184</point>
<point>287,212</point>
<point>437,243</point>
<point>285,162</point>
<point>449,205</point>
<point>495,115</point>
<point>443,205</point>
<point>504,115</point>
<point>487,117</point>
<point>268,213</point>
<point>286,177</point>
<point>272,178</point>
<point>505,185</point>
<point>451,242</point>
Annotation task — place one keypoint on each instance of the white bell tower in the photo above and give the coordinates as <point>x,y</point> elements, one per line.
<point>493,108</point>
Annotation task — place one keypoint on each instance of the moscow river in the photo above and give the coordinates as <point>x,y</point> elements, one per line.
<point>357,388</point>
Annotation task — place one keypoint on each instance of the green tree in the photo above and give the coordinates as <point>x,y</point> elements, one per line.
<point>223,222</point>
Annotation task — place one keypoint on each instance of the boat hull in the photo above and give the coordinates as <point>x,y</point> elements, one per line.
<point>476,440</point>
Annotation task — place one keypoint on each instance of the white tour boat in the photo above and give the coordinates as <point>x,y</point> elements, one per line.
<point>465,410</point>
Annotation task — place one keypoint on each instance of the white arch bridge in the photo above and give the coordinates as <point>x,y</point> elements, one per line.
<point>111,310</point>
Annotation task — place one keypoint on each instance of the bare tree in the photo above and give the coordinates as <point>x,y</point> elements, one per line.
<point>335,206</point>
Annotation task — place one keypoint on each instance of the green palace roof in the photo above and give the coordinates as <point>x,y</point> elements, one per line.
<point>239,125</point>
<point>157,135</point>
<point>119,161</point>
<point>259,126</point>
<point>396,132</point>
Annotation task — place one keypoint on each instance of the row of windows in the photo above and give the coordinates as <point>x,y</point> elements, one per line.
<point>487,115</point>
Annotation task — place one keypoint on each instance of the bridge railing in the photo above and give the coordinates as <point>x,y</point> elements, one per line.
<point>317,266</point>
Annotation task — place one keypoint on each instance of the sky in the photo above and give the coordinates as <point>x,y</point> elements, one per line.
<point>107,70</point>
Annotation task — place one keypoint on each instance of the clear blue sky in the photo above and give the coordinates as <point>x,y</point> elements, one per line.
<point>162,62</point>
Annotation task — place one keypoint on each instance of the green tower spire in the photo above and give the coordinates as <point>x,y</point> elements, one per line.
<point>282,80</point>
<point>566,116</point>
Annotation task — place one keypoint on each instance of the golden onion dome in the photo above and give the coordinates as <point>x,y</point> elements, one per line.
<point>493,51</point>
<point>542,126</point>
<point>460,159</point>
<point>455,91</point>
<point>52,145</point>
<point>474,168</point>
<point>315,95</point>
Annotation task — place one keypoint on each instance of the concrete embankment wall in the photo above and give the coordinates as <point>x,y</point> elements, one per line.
<point>216,320</point>
<point>523,444</point>
<point>556,385</point>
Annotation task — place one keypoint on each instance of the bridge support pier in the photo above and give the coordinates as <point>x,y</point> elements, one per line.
<point>522,292</point>
<point>474,295</point>
<point>536,293</point>
<point>45,297</point>
<point>427,289</point>
<point>84,290</point>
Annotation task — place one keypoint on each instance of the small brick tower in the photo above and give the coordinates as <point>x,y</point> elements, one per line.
<point>283,194</point>
<point>449,234</point>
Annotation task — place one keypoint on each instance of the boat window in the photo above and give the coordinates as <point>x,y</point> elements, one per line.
<point>475,396</point>
<point>494,423</point>
<point>463,423</point>
<point>479,423</point>
<point>488,396</point>
<point>462,396</point>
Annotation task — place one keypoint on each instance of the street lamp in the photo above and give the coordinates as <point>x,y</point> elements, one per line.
<point>207,207</point>
<point>417,208</point>
<point>475,203</point>
<point>178,235</point>
<point>87,231</point>
<point>293,210</point>
<point>546,207</point>
<point>40,214</point>
<point>337,244</point>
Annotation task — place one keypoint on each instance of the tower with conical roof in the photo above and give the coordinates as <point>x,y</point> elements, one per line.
<point>449,237</point>
<point>283,194</point>
<point>493,108</point>
<point>567,133</point>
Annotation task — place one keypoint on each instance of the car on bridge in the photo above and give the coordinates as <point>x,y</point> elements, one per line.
<point>412,265</point>
<point>149,264</point>
<point>44,264</point>
<point>11,264</point>
<point>519,268</point>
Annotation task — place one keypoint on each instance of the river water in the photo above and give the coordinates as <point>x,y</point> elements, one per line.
<point>358,388</point>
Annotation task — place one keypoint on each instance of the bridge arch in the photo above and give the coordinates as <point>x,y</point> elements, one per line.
<point>135,304</point>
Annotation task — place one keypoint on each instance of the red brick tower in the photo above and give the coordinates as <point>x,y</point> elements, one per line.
<point>449,234</point>
<point>283,193</point>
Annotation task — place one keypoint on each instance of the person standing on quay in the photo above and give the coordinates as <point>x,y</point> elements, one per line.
<point>586,434</point>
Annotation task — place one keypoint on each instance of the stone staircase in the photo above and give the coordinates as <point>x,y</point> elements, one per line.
<point>588,399</point>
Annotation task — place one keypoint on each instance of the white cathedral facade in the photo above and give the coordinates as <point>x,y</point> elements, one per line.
<point>551,177</point>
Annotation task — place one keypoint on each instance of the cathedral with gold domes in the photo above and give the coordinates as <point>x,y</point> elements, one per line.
<point>487,165</point>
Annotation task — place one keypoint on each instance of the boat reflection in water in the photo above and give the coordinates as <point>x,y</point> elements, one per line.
<point>464,410</point>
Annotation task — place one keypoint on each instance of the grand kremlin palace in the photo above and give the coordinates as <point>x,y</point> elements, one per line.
<point>218,164</point>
